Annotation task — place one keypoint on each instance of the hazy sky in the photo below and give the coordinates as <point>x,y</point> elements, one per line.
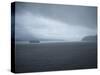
<point>54,22</point>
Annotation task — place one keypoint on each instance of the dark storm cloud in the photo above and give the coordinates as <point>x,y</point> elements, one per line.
<point>55,21</point>
<point>74,15</point>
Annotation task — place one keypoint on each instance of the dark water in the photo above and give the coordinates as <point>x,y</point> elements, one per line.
<point>55,56</point>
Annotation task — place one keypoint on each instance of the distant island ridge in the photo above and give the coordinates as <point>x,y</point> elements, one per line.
<point>90,38</point>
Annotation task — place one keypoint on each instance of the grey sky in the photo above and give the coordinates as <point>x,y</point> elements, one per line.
<point>54,22</point>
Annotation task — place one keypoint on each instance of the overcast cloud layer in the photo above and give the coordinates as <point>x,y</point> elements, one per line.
<point>54,22</point>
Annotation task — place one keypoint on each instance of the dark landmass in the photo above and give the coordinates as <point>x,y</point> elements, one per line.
<point>90,39</point>
<point>34,41</point>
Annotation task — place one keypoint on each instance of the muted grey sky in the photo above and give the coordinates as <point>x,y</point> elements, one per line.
<point>54,22</point>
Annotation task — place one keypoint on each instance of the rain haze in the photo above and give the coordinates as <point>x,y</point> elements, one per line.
<point>48,22</point>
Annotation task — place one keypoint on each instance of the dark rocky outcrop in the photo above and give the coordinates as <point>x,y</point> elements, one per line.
<point>34,41</point>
